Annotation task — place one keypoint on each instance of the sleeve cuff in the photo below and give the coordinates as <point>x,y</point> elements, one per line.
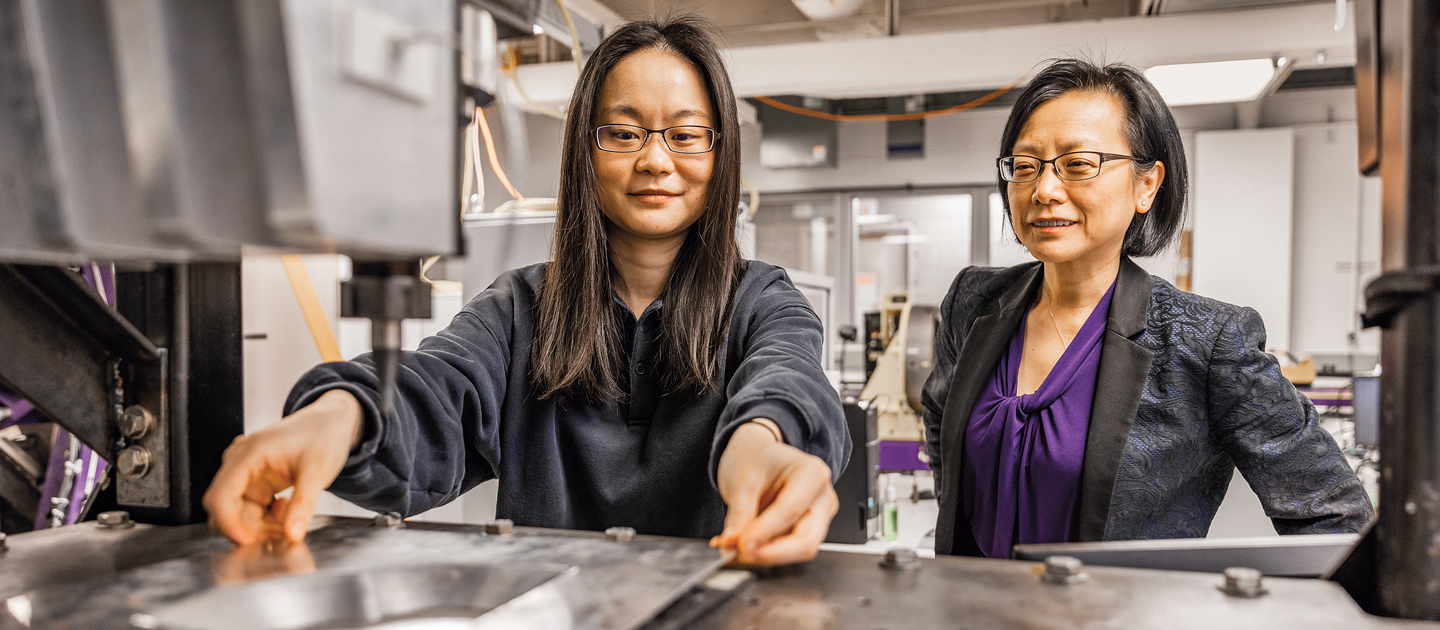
<point>372,431</point>
<point>783,414</point>
<point>785,417</point>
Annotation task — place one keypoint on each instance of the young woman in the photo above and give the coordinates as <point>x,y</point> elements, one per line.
<point>648,377</point>
<point>1079,398</point>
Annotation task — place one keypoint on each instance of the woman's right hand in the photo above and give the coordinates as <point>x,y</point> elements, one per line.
<point>306,450</point>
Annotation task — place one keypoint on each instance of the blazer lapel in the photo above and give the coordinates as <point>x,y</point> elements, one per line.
<point>989,336</point>
<point>1124,369</point>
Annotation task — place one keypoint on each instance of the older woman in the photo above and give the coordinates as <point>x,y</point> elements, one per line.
<point>1079,398</point>
<point>647,377</point>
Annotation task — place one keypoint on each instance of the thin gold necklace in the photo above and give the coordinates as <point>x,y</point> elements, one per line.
<point>1063,346</point>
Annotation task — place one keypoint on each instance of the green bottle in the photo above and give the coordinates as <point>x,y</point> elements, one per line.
<point>889,513</point>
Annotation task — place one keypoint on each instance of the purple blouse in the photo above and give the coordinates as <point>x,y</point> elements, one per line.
<point>1023,454</point>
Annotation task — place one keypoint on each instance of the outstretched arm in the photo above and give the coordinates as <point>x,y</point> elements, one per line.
<point>440,439</point>
<point>782,439</point>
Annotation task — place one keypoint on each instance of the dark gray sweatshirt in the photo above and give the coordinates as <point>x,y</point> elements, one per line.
<point>464,413</point>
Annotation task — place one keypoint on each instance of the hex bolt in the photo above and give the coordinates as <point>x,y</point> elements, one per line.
<point>1064,570</point>
<point>900,559</point>
<point>117,519</point>
<point>500,526</point>
<point>1243,582</point>
<point>136,422</point>
<point>388,520</point>
<point>620,534</point>
<point>133,461</point>
<point>4,546</point>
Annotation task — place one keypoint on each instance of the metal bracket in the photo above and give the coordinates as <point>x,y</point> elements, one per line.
<point>59,339</point>
<point>1392,291</point>
<point>82,363</point>
<point>142,471</point>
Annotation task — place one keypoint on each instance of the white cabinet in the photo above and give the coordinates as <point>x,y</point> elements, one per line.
<point>1241,250</point>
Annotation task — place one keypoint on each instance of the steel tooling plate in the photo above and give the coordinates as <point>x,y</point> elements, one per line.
<point>348,574</point>
<point>845,591</point>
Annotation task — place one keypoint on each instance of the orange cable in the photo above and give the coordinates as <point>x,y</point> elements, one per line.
<point>494,161</point>
<point>916,116</point>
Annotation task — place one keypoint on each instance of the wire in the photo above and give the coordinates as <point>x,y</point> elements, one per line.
<point>575,52</point>
<point>754,198</point>
<point>473,184</point>
<point>474,156</point>
<point>490,148</point>
<point>468,182</point>
<point>891,117</point>
<point>512,61</point>
<point>425,269</point>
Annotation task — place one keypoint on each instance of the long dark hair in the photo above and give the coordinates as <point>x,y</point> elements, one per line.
<point>1149,129</point>
<point>578,347</point>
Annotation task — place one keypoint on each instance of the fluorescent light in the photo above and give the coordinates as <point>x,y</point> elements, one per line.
<point>1212,82</point>
<point>538,30</point>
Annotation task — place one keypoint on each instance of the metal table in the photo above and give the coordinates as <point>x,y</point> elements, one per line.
<point>354,573</point>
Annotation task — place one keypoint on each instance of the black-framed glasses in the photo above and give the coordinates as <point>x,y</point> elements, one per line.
<point>630,138</point>
<point>1074,166</point>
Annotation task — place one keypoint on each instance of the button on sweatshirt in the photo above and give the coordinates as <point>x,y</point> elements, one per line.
<point>465,412</point>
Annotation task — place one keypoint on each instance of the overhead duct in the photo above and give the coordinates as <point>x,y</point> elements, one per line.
<point>829,9</point>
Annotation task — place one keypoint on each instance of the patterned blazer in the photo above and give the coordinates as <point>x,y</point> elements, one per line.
<point>1185,394</point>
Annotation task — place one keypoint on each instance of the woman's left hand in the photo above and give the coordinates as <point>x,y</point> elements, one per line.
<point>779,500</point>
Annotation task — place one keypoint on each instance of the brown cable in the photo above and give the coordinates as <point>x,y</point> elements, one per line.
<point>889,117</point>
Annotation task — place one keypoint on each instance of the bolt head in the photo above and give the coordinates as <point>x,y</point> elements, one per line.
<point>1064,570</point>
<point>500,527</point>
<point>1243,582</point>
<point>133,461</point>
<point>900,558</point>
<point>620,534</point>
<point>388,520</point>
<point>136,422</point>
<point>4,546</point>
<point>117,519</point>
<point>1063,565</point>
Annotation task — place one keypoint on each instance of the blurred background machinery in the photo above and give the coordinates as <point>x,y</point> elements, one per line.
<point>899,355</point>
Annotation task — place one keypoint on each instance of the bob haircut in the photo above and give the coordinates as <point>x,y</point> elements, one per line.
<point>578,349</point>
<point>1149,129</point>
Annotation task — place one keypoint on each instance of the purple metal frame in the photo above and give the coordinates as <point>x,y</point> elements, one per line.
<point>902,455</point>
<point>20,409</point>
